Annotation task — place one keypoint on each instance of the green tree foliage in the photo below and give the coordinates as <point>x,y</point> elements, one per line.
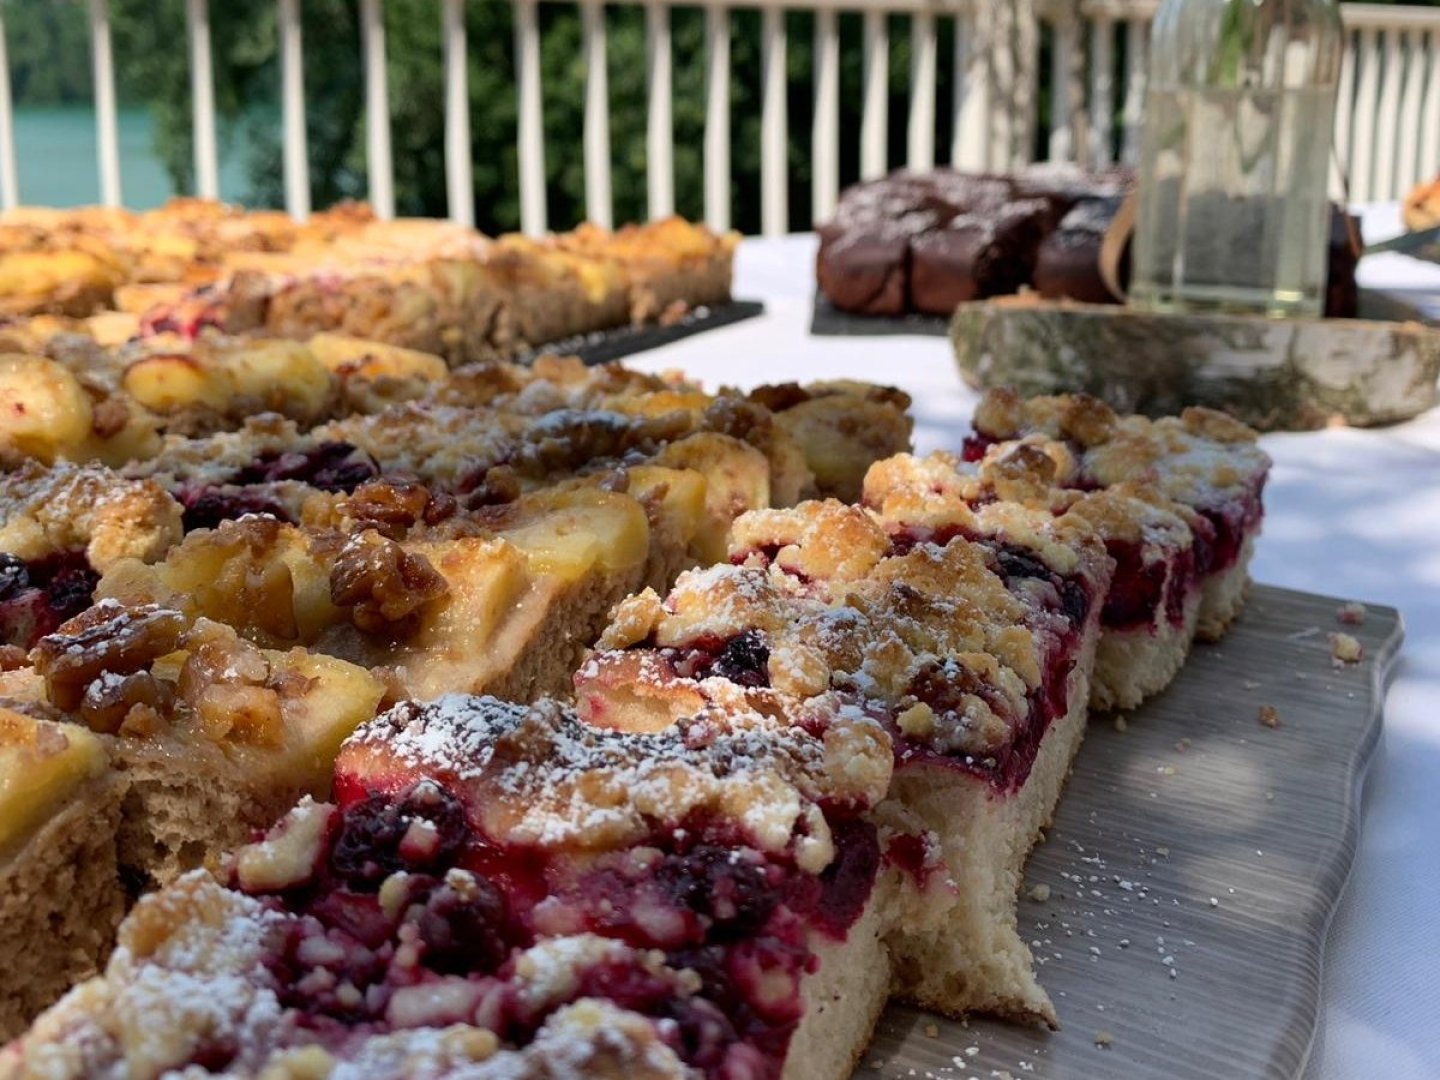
<point>50,64</point>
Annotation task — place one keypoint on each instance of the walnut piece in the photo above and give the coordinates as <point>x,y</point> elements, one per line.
<point>382,583</point>
<point>392,506</point>
<point>108,638</point>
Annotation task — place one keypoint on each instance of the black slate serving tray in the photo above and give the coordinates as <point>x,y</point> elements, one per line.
<point>829,321</point>
<point>604,346</point>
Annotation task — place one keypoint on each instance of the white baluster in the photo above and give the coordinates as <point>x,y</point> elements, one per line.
<point>774,197</point>
<point>531,131</point>
<point>1362,167</point>
<point>825,135</point>
<point>1344,120</point>
<point>379,165</point>
<point>1025,50</point>
<point>292,111</point>
<point>9,181</point>
<point>659,130</point>
<point>970,143</point>
<point>1102,90</point>
<point>1004,122</point>
<point>1386,118</point>
<point>202,100</point>
<point>717,117</point>
<point>106,125</point>
<point>920,135</point>
<point>1408,168</point>
<point>598,202</point>
<point>1137,63</point>
<point>1064,59</point>
<point>1430,125</point>
<point>874,156</point>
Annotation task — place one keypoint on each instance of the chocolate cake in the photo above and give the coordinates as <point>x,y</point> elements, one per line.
<point>976,255</point>
<point>914,242</point>
<point>1068,265</point>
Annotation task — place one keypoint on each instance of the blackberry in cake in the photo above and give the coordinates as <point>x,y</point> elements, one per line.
<point>498,889</point>
<point>1206,464</point>
<point>1153,603</point>
<point>975,657</point>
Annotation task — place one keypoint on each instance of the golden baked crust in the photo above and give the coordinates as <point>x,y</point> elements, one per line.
<point>1421,208</point>
<point>842,427</point>
<point>66,508</point>
<point>821,600</point>
<point>1195,459</point>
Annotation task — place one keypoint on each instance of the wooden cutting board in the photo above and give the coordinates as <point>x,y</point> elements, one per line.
<point>1192,869</point>
<point>1274,374</point>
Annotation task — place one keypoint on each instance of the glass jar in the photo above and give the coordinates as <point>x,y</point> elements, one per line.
<point>1235,160</point>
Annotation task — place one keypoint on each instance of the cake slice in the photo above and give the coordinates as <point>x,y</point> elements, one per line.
<point>501,891</point>
<point>60,894</point>
<point>211,736</point>
<point>1205,462</point>
<point>395,579</point>
<point>60,529</point>
<point>974,655</point>
<point>1152,606</point>
<point>842,427</point>
<point>669,266</point>
<point>51,414</point>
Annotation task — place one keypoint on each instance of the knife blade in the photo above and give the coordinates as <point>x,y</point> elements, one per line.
<point>1406,242</point>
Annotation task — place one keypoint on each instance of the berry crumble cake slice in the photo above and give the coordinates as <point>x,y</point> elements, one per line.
<point>1151,608</point>
<point>976,658</point>
<point>1206,462</point>
<point>502,891</point>
<point>60,529</point>
<point>60,894</point>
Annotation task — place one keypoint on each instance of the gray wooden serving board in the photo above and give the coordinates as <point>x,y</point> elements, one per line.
<point>1191,884</point>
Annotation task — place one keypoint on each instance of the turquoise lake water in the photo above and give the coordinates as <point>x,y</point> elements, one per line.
<point>56,160</point>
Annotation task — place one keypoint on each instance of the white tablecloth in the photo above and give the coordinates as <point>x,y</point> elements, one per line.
<point>1354,514</point>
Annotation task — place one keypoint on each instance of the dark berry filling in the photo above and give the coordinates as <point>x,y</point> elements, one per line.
<point>330,466</point>
<point>1067,596</point>
<point>37,596</point>
<point>1218,548</point>
<point>975,445</point>
<point>911,854</point>
<point>743,659</point>
<point>206,507</point>
<point>407,893</point>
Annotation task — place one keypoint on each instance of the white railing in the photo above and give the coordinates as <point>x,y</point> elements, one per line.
<point>1387,126</point>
